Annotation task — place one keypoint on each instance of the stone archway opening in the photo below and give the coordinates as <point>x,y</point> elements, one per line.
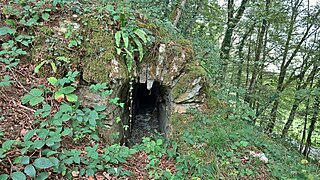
<point>150,112</point>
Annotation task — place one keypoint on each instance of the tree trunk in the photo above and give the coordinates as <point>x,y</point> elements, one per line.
<point>179,11</point>
<point>298,99</point>
<point>304,126</point>
<point>226,43</point>
<point>258,50</point>
<point>240,55</point>
<point>313,122</point>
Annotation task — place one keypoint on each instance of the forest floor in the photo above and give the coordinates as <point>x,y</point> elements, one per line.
<point>211,146</point>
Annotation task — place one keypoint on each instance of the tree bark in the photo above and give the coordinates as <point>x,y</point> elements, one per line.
<point>226,43</point>
<point>287,61</point>
<point>258,50</point>
<point>313,122</point>
<point>179,11</point>
<point>298,100</point>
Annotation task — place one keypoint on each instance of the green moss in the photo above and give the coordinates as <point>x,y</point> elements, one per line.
<point>99,53</point>
<point>193,72</point>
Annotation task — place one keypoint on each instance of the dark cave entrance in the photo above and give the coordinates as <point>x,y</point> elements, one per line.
<point>150,112</point>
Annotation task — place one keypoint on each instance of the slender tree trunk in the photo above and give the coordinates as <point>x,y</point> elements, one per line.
<point>287,61</point>
<point>313,122</point>
<point>248,64</point>
<point>291,116</point>
<point>298,99</point>
<point>226,42</point>
<point>240,55</point>
<point>179,11</point>
<point>258,50</point>
<point>304,126</point>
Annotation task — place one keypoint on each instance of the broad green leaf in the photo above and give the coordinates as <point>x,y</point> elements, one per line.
<point>54,161</point>
<point>66,131</point>
<point>7,144</point>
<point>43,163</point>
<point>6,30</point>
<point>99,108</point>
<point>67,90</point>
<point>36,92</point>
<point>38,144</point>
<point>141,34</point>
<point>10,22</point>
<point>92,122</point>
<point>18,176</point>
<point>26,98</point>
<point>28,135</point>
<point>42,176</point>
<point>72,97</point>
<point>6,81</point>
<point>4,176</point>
<point>118,38</point>
<point>51,153</point>
<point>37,68</point>
<point>45,16</point>
<point>30,171</point>
<point>31,21</point>
<point>25,160</point>
<point>36,100</point>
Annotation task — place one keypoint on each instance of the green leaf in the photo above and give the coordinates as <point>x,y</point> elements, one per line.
<point>54,67</point>
<point>66,131</point>
<point>72,97</point>
<point>125,39</point>
<point>37,68</point>
<point>45,16</point>
<point>25,160</point>
<point>30,171</point>
<point>42,176</point>
<point>92,122</point>
<point>141,34</point>
<point>38,144</point>
<point>31,21</point>
<point>10,22</point>
<point>4,176</point>
<point>118,37</point>
<point>51,153</point>
<point>7,144</point>
<point>28,135</point>
<point>6,81</point>
<point>99,108</point>
<point>36,100</point>
<point>6,30</point>
<point>36,92</point>
<point>63,58</point>
<point>118,51</point>
<point>140,48</point>
<point>54,161</point>
<point>18,176</point>
<point>43,163</point>
<point>67,90</point>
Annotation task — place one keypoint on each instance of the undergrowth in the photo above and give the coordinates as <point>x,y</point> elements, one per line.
<point>65,141</point>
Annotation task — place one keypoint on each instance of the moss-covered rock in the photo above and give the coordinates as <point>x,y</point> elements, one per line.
<point>189,80</point>
<point>99,61</point>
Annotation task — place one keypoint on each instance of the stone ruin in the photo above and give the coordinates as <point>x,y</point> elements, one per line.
<point>166,82</point>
